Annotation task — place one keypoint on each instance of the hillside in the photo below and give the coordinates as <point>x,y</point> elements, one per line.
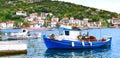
<point>59,9</point>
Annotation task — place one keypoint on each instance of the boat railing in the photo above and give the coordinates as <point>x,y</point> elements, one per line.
<point>66,37</point>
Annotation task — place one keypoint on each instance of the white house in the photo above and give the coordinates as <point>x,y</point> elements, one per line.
<point>78,22</point>
<point>115,20</point>
<point>2,25</point>
<point>85,20</point>
<point>109,20</point>
<point>31,26</point>
<point>29,18</point>
<point>33,15</point>
<point>10,24</point>
<point>39,18</point>
<point>21,13</point>
<point>54,21</point>
<point>41,22</point>
<point>72,21</point>
<point>36,26</point>
<point>44,15</point>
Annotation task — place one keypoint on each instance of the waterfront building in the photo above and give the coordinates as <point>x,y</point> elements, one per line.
<point>78,22</point>
<point>3,25</point>
<point>33,15</point>
<point>28,18</point>
<point>41,22</point>
<point>71,21</point>
<point>33,24</point>
<point>65,21</point>
<point>39,18</point>
<point>115,21</point>
<point>54,21</point>
<point>43,15</point>
<point>10,24</point>
<point>85,22</point>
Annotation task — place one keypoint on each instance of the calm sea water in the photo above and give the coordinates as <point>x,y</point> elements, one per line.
<point>37,48</point>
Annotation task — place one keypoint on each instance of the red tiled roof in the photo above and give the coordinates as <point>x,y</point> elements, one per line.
<point>113,18</point>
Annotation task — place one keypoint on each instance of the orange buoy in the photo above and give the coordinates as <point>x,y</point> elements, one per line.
<point>103,39</point>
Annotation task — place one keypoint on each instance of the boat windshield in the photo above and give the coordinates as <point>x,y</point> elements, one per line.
<point>66,32</point>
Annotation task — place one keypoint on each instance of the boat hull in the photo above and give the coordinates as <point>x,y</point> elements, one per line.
<point>67,44</point>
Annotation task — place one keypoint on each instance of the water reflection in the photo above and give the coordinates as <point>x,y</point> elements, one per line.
<point>83,53</point>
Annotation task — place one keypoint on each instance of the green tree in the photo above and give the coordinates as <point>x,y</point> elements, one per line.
<point>8,16</point>
<point>26,24</point>
<point>16,23</point>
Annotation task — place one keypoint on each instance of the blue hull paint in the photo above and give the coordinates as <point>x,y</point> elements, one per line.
<point>66,44</point>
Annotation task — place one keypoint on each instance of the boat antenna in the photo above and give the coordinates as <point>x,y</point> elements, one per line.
<point>45,22</point>
<point>100,32</point>
<point>88,31</point>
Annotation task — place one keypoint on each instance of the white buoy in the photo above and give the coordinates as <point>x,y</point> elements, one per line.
<point>83,44</point>
<point>90,43</point>
<point>73,44</point>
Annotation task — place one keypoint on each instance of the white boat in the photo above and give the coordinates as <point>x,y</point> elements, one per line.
<point>24,34</point>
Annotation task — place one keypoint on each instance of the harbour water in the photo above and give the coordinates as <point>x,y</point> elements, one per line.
<point>37,49</point>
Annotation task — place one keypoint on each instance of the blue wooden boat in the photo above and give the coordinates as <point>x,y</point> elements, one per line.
<point>74,44</point>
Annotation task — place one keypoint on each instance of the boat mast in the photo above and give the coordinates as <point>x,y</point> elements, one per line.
<point>87,30</point>
<point>100,32</point>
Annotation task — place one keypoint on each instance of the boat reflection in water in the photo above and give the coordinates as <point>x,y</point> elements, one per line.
<point>82,53</point>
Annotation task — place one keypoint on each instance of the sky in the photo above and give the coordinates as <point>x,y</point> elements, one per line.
<point>109,5</point>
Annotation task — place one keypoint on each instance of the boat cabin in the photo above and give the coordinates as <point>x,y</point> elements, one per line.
<point>73,35</point>
<point>68,35</point>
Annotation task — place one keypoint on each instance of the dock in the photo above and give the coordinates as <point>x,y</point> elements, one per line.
<point>13,47</point>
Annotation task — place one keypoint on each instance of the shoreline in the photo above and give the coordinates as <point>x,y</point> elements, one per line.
<point>44,28</point>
